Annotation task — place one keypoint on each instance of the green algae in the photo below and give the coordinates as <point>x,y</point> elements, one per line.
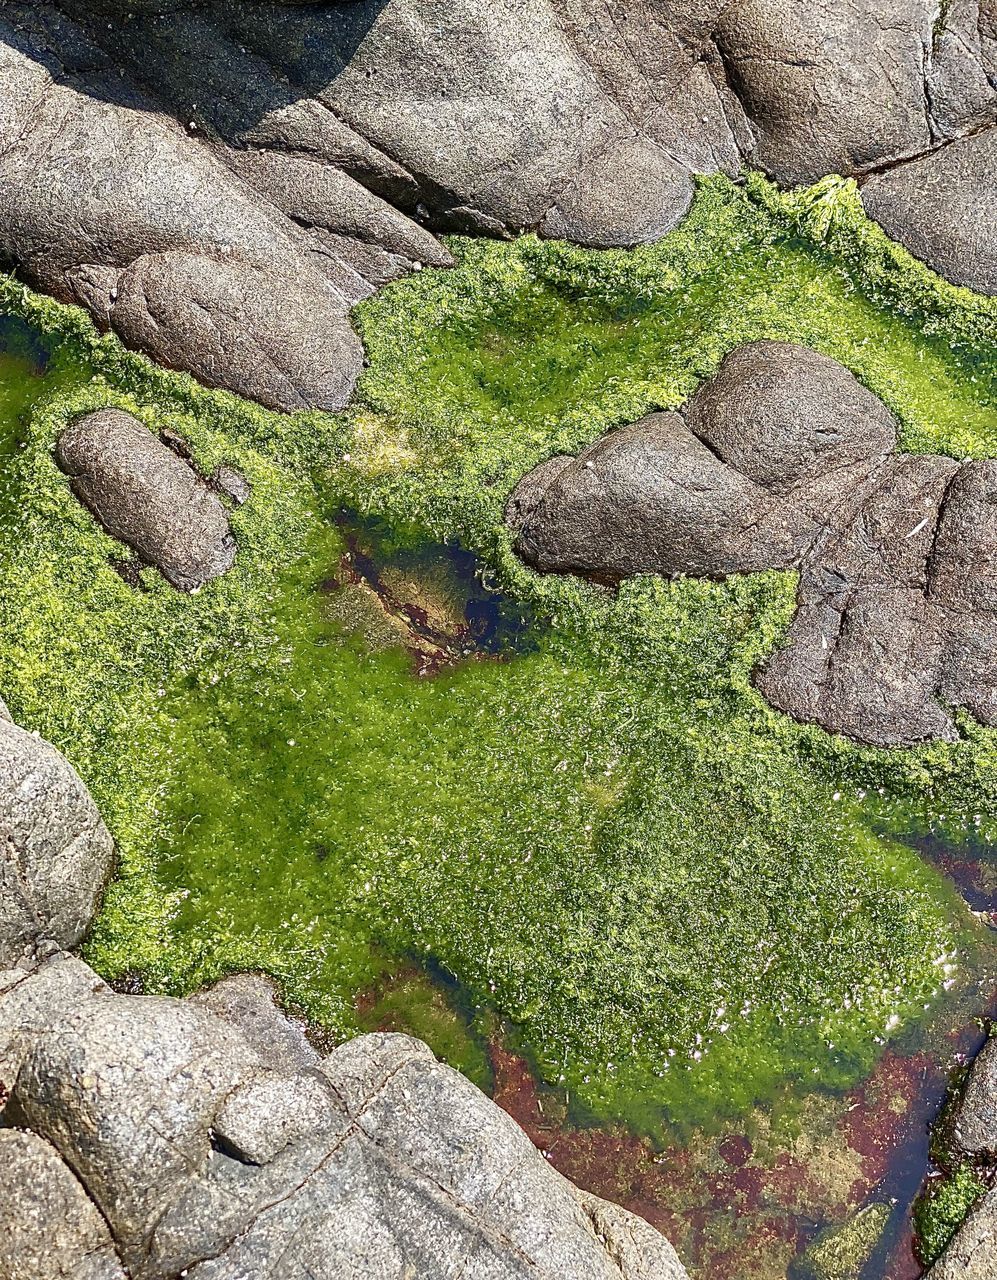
<point>940,1213</point>
<point>608,837</point>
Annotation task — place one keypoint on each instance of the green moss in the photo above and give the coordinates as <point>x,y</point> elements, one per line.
<point>608,837</point>
<point>940,1213</point>
<point>842,1252</point>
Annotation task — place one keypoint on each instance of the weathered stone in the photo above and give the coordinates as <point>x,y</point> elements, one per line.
<point>837,87</point>
<point>783,460</point>
<point>49,1229</point>
<point>974,1125</point>
<point>204,1160</point>
<point>55,852</point>
<point>248,1002</point>
<point>943,208</point>
<point>148,497</point>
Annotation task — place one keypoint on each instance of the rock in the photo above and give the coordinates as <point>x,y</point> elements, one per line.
<point>972,1255</point>
<point>145,495</point>
<point>49,1229</point>
<point>943,208</point>
<point>248,1002</point>
<point>974,1124</point>
<point>233,484</point>
<point>203,1158</point>
<point>842,1252</point>
<point>231,325</point>
<point>88,227</point>
<point>784,461</point>
<point>56,855</point>
<point>848,88</point>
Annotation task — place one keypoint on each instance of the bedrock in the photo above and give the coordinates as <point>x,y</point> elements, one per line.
<point>218,183</point>
<point>152,1137</point>
<point>784,461</point>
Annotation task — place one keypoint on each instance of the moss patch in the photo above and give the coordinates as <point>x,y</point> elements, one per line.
<point>608,837</point>
<point>941,1212</point>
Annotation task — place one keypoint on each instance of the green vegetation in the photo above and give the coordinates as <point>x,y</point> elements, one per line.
<point>608,838</point>
<point>940,1213</point>
<point>842,1252</point>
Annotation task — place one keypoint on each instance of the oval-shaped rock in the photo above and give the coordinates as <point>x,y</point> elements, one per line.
<point>142,493</point>
<point>55,852</point>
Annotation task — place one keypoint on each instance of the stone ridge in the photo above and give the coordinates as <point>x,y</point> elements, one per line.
<point>151,1137</point>
<point>219,182</point>
<point>783,461</point>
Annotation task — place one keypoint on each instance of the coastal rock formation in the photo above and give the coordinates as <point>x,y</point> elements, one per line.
<point>56,854</point>
<point>943,208</point>
<point>218,183</point>
<point>199,1155</point>
<point>784,461</point>
<point>143,493</point>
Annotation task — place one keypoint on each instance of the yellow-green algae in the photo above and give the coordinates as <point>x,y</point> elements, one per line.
<point>608,838</point>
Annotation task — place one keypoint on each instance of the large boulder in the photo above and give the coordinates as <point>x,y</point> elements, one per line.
<point>206,1159</point>
<point>836,87</point>
<point>56,854</point>
<point>143,493</point>
<point>49,1227</point>
<point>784,460</point>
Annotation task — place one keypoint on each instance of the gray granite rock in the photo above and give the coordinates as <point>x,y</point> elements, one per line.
<point>943,208</point>
<point>55,852</point>
<point>145,495</point>
<point>974,1122</point>
<point>784,461</point>
<point>49,1228</point>
<point>206,1158</point>
<point>248,1002</point>
<point>835,87</point>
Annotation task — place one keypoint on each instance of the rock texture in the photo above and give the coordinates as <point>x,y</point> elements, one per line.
<point>784,461</point>
<point>146,495</point>
<point>170,1142</point>
<point>219,182</point>
<point>943,208</point>
<point>55,852</point>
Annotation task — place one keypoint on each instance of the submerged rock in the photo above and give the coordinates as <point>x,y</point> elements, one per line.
<point>842,1252</point>
<point>147,496</point>
<point>206,1158</point>
<point>784,461</point>
<point>56,854</point>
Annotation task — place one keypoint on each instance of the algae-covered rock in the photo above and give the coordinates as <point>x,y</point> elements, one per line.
<point>842,1252</point>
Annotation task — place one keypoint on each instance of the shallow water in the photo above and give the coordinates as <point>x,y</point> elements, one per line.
<point>350,762</point>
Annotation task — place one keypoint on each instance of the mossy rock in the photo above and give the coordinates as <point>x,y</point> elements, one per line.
<point>841,1252</point>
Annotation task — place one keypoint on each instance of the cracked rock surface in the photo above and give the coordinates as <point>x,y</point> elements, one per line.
<point>147,496</point>
<point>782,461</point>
<point>56,855</point>
<point>305,154</point>
<point>219,182</point>
<point>165,1142</point>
